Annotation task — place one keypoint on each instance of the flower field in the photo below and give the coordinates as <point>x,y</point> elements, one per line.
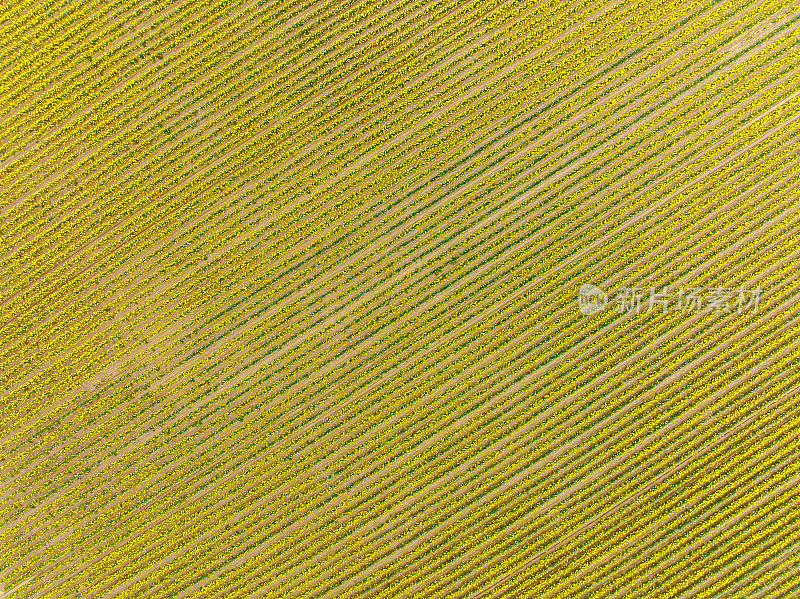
<point>289,299</point>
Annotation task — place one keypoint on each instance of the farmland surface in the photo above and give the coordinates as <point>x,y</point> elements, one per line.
<point>289,299</point>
